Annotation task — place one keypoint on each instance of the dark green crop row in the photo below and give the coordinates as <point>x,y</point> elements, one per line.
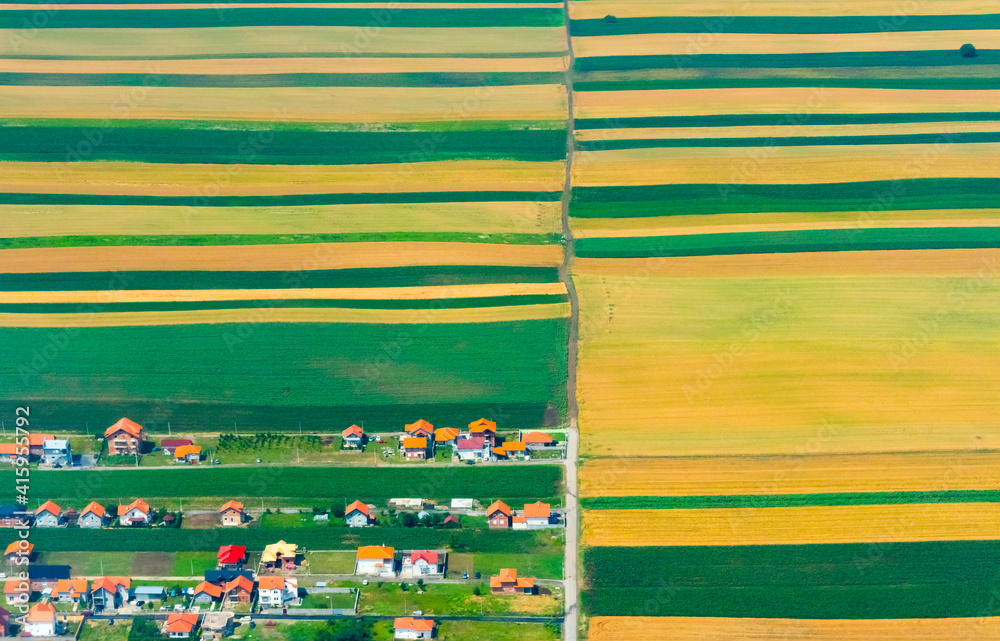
<point>786,500</point>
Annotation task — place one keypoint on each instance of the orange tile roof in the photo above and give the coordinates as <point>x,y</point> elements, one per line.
<point>14,548</point>
<point>409,623</point>
<point>10,449</point>
<point>111,583</point>
<point>35,440</point>
<point>375,552</point>
<point>184,450</point>
<point>420,425</point>
<point>360,507</point>
<point>509,575</point>
<point>519,519</point>
<point>271,583</point>
<point>482,425</point>
<point>124,425</point>
<point>353,430</point>
<point>16,586</point>
<point>537,437</point>
<point>138,503</point>
<point>446,434</point>
<point>537,509</point>
<point>232,505</point>
<point>182,622</point>
<point>241,583</point>
<point>513,446</point>
<point>498,505</point>
<point>414,442</point>
<point>74,587</point>
<point>94,507</point>
<point>211,589</point>
<point>42,612</point>
<point>49,506</point>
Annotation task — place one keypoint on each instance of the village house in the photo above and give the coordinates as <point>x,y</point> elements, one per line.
<point>410,628</point>
<point>280,555</point>
<point>358,515</point>
<point>375,560</point>
<point>49,514</point>
<point>239,590</point>
<point>9,452</point>
<point>507,582</point>
<point>498,516</point>
<point>168,445</point>
<point>216,625</point>
<point>538,439</point>
<point>510,450</point>
<point>445,436</point>
<point>135,513</point>
<point>16,591</point>
<point>451,521</point>
<point>46,577</point>
<point>353,437</point>
<point>36,445</point>
<point>415,448</point>
<point>109,592</point>
<point>41,621</point>
<point>205,593</point>
<point>421,563</point>
<point>125,438</point>
<point>232,514</point>
<point>276,591</point>
<point>221,577</point>
<point>21,547</point>
<point>231,556</point>
<point>535,516</point>
<point>57,452</point>
<point>420,429</point>
<point>150,593</point>
<point>179,625</point>
<point>92,515</point>
<point>473,449</point>
<point>12,515</point>
<point>187,454</point>
<point>483,429</point>
<point>70,591</point>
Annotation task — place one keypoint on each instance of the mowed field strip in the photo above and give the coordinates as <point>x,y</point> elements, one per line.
<point>779,101</point>
<point>481,217</point>
<point>785,131</point>
<point>596,9</point>
<point>790,474</point>
<point>274,257</point>
<point>287,5</point>
<point>681,44</point>
<point>339,42</point>
<point>792,526</point>
<point>670,230</point>
<point>604,628</point>
<point>153,179</point>
<point>290,104</point>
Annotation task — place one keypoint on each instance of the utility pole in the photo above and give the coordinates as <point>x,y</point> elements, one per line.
<point>300,428</point>
<point>2,425</point>
<point>169,433</point>
<point>88,427</point>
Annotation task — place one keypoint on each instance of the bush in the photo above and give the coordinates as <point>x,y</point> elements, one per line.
<point>476,591</point>
<point>610,18</point>
<point>967,51</point>
<point>404,587</point>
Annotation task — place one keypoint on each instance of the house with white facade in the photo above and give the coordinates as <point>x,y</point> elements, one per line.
<point>92,516</point>
<point>135,513</point>
<point>57,452</point>
<point>375,560</point>
<point>276,591</point>
<point>358,515</point>
<point>40,621</point>
<point>421,563</point>
<point>49,514</point>
<point>410,628</point>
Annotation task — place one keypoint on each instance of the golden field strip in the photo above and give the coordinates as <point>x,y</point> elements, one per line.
<point>275,257</point>
<point>786,131</point>
<point>289,104</point>
<point>980,70</point>
<point>849,360</point>
<point>734,629</point>
<point>290,315</point>
<point>668,44</point>
<point>596,9</point>
<point>319,293</point>
<point>289,5</point>
<point>679,230</point>
<point>790,474</point>
<point>786,165</point>
<point>472,217</point>
<point>253,66</point>
<point>337,41</point>
<point>779,101</point>
<point>194,180</point>
<point>792,526</point>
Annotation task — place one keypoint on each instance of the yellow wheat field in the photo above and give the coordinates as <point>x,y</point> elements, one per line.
<point>288,104</point>
<point>319,293</point>
<point>785,130</point>
<point>594,9</point>
<point>470,217</point>
<point>793,525</point>
<point>289,315</point>
<point>790,474</point>
<point>678,230</point>
<point>295,258</point>
<point>285,40</point>
<point>285,5</point>
<point>778,101</point>
<point>786,165</point>
<point>733,629</point>
<point>723,43</point>
<point>203,180</point>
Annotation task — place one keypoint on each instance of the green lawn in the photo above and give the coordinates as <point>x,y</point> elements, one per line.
<point>199,561</point>
<point>497,631</point>
<point>334,600</point>
<point>390,599</point>
<point>341,562</point>
<point>540,566</point>
<point>101,631</point>
<point>91,563</point>
<point>286,520</point>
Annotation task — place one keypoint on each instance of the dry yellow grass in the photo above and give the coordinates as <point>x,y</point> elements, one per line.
<point>275,257</point>
<point>793,525</point>
<point>723,43</point>
<point>675,229</point>
<point>719,359</point>
<point>291,40</point>
<point>203,180</point>
<point>594,9</point>
<point>471,217</point>
<point>290,315</point>
<point>785,131</point>
<point>786,165</point>
<point>791,474</point>
<point>289,104</point>
<point>732,629</point>
<point>778,101</point>
<point>251,66</point>
<point>321,293</point>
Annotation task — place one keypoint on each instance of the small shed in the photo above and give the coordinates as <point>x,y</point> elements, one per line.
<point>150,592</point>
<point>462,504</point>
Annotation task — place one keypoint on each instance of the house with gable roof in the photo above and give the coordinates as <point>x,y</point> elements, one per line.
<point>180,625</point>
<point>420,563</point>
<point>484,429</point>
<point>70,591</point>
<point>206,592</point>
<point>358,514</point>
<point>109,592</point>
<point>92,516</point>
<point>375,560</point>
<point>411,628</point>
<point>353,437</point>
<point>125,438</point>
<point>276,591</point>
<point>232,514</point>
<point>507,582</point>
<point>49,514</point>
<point>40,621</point>
<point>137,512</point>
<point>498,515</point>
